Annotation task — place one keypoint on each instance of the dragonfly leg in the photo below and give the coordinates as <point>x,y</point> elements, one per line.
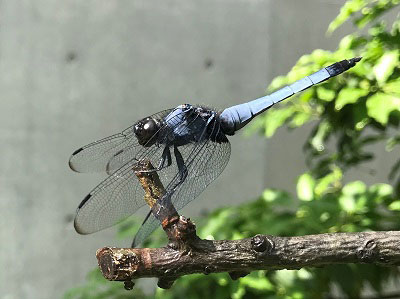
<point>165,157</point>
<point>182,169</point>
<point>183,172</point>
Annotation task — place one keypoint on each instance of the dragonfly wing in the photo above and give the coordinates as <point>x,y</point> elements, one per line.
<point>123,156</point>
<point>110,153</point>
<point>149,226</point>
<point>211,160</point>
<point>120,194</point>
<point>114,199</point>
<point>95,156</point>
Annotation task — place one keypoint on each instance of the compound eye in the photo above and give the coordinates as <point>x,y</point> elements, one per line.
<point>144,131</point>
<point>149,127</point>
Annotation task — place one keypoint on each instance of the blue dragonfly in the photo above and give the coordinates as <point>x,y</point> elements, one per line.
<point>196,136</point>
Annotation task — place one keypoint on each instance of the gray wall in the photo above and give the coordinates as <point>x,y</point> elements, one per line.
<point>75,71</point>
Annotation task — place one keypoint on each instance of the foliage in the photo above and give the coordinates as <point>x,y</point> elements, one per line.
<point>352,111</point>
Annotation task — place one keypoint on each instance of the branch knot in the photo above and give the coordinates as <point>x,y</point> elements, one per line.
<point>368,252</point>
<point>262,244</point>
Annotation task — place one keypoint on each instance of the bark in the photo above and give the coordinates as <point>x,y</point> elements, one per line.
<point>240,257</point>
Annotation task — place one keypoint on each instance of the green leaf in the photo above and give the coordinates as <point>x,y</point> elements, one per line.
<point>325,94</point>
<point>380,105</point>
<point>351,192</point>
<point>363,70</point>
<point>261,284</point>
<point>285,277</point>
<point>277,82</point>
<point>370,14</point>
<point>349,8</point>
<point>304,274</point>
<point>239,293</point>
<point>373,51</point>
<point>331,179</point>
<point>385,66</point>
<point>360,116</point>
<point>395,206</point>
<point>381,190</point>
<point>299,119</point>
<point>353,188</point>
<point>278,197</point>
<point>392,87</point>
<point>275,119</point>
<point>317,141</point>
<point>349,96</point>
<point>305,187</point>
<point>347,203</point>
<point>346,42</point>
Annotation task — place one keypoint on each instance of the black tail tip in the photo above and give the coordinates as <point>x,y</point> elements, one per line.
<point>354,60</point>
<point>342,66</point>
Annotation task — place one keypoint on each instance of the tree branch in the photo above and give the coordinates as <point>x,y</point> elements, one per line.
<point>242,256</point>
<point>188,254</point>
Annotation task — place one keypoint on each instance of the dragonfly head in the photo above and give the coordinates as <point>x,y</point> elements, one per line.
<point>146,131</point>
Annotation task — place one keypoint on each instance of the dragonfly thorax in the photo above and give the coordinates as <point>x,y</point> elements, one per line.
<point>189,124</point>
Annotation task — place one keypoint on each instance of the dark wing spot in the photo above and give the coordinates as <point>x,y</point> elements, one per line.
<point>84,200</point>
<point>118,153</point>
<point>77,151</point>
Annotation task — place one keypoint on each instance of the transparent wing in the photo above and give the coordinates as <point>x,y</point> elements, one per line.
<point>205,161</point>
<point>117,197</point>
<point>110,153</point>
<point>149,226</point>
<point>120,195</point>
<point>95,156</point>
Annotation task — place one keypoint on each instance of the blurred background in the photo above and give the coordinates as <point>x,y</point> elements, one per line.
<point>72,72</point>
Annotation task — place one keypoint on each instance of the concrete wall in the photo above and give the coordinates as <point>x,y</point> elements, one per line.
<point>75,71</point>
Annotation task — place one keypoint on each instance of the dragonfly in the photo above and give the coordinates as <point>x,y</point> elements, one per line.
<point>188,146</point>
